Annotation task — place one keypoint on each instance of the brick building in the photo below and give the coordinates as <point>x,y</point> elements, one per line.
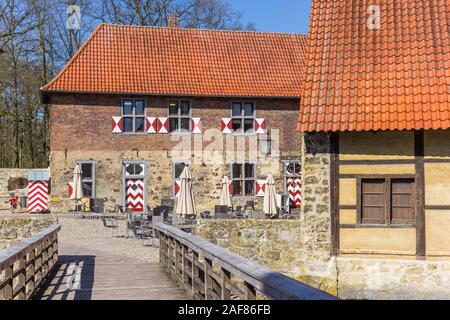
<point>131,96</point>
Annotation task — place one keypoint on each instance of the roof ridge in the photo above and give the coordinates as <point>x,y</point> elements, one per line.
<point>203,29</point>
<point>74,57</point>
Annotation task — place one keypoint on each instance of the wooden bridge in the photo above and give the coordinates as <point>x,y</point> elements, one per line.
<point>189,267</point>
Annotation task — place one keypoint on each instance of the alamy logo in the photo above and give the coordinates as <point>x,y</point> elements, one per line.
<point>374,17</point>
<point>73,21</point>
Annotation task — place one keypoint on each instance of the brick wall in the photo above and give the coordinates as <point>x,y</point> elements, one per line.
<point>83,122</point>
<point>81,130</point>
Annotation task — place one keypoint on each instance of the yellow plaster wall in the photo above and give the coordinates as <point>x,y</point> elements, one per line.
<point>378,240</point>
<point>437,232</point>
<point>378,169</point>
<point>347,192</point>
<point>347,216</point>
<point>437,183</point>
<point>376,146</point>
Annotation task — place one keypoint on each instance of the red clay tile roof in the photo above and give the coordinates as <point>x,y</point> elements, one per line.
<point>395,78</point>
<point>175,61</point>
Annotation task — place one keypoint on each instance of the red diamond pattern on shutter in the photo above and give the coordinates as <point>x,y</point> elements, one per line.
<point>163,125</point>
<point>260,126</point>
<point>226,126</point>
<point>260,188</point>
<point>37,196</point>
<point>117,124</point>
<point>151,125</point>
<point>196,125</point>
<point>177,186</point>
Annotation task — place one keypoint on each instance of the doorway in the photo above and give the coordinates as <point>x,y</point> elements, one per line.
<point>134,182</point>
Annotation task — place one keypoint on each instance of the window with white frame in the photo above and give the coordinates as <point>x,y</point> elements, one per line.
<point>243,176</point>
<point>133,115</point>
<point>87,178</point>
<point>180,113</point>
<point>243,116</point>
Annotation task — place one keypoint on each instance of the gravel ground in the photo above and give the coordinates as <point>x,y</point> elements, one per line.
<point>91,234</point>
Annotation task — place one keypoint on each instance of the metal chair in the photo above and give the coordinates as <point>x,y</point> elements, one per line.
<point>110,224</point>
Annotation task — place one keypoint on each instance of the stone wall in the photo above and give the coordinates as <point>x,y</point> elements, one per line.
<point>315,217</point>
<point>16,229</point>
<point>12,180</point>
<point>278,245</point>
<point>365,278</point>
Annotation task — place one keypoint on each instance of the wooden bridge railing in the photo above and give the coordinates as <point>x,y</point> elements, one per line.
<point>209,272</point>
<point>23,266</point>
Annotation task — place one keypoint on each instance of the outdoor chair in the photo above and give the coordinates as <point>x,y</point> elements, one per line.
<point>110,224</point>
<point>239,213</point>
<point>146,231</point>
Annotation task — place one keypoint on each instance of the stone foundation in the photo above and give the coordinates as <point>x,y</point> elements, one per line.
<point>206,183</point>
<point>13,230</point>
<point>278,245</point>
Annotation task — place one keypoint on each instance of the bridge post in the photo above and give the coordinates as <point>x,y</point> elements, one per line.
<point>225,279</point>
<point>250,292</point>
<point>208,279</point>
<point>194,275</point>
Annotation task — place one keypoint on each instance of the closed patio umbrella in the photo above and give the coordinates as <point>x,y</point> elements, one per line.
<point>225,197</point>
<point>270,201</point>
<point>186,202</point>
<point>77,188</point>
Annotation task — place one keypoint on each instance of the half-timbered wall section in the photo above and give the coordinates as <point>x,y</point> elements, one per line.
<point>376,212</point>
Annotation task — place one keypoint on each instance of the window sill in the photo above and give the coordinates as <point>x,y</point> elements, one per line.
<point>134,133</point>
<point>244,197</point>
<point>180,133</point>
<point>243,133</point>
<point>374,226</point>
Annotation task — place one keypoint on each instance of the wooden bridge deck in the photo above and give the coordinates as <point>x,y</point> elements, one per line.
<point>85,274</point>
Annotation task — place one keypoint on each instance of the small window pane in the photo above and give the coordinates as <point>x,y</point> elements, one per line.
<point>173,108</point>
<point>140,124</point>
<point>139,107</point>
<point>237,170</point>
<point>173,124</point>
<point>138,169</point>
<point>237,124</point>
<point>86,171</point>
<point>249,170</point>
<point>185,108</point>
<point>185,124</point>
<point>373,201</point>
<point>179,167</point>
<point>402,201</point>
<point>128,124</point>
<point>87,189</point>
<point>248,109</point>
<point>127,107</point>
<point>236,110</point>
<point>248,125</point>
<point>237,188</point>
<point>130,169</point>
<point>249,187</point>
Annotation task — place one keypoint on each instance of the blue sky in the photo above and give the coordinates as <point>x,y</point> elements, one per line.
<point>275,16</point>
